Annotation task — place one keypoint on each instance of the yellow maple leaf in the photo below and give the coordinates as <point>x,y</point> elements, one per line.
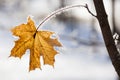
<point>38,42</point>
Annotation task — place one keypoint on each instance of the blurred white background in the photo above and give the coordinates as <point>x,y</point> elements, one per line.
<point>83,55</point>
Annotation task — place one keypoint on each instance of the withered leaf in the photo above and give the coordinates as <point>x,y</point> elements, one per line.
<point>38,42</point>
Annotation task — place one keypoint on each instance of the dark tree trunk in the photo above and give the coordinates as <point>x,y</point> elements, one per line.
<point>107,34</point>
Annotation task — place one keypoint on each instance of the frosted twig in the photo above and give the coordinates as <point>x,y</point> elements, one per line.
<point>58,11</point>
<point>63,10</point>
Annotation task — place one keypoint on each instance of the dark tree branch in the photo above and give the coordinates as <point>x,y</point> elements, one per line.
<point>107,34</point>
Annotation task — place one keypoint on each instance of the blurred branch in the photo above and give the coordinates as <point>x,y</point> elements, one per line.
<point>90,42</point>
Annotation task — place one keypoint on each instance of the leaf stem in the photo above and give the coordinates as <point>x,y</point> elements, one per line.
<point>58,11</point>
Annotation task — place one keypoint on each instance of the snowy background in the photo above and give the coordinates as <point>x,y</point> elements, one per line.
<point>83,55</point>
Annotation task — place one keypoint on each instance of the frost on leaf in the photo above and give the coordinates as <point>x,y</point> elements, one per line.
<point>38,42</point>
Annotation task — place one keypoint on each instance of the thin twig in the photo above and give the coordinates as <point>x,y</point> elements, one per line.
<point>56,12</point>
<point>63,10</point>
<point>86,6</point>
